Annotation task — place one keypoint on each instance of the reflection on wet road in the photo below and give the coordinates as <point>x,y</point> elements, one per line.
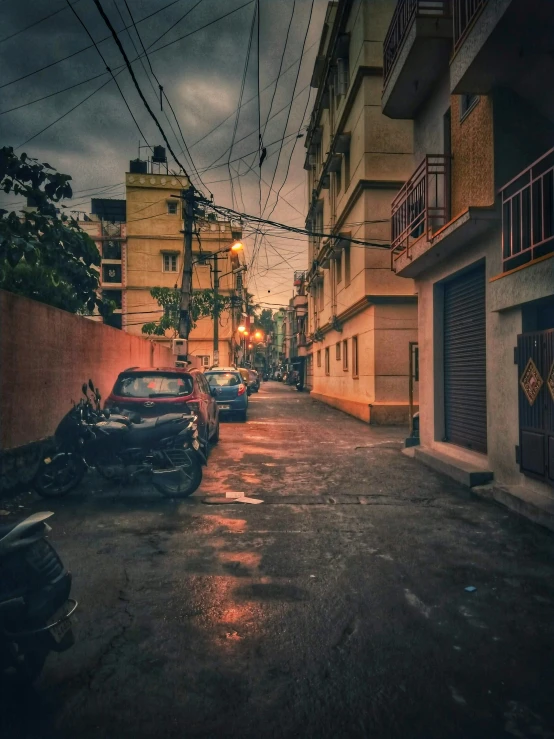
<point>335,608</point>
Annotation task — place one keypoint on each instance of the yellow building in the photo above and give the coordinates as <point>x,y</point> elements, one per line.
<point>154,258</point>
<point>361,317</point>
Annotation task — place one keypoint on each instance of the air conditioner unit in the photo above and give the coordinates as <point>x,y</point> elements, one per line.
<point>180,346</point>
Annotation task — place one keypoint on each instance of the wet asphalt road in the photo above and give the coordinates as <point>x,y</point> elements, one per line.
<point>336,608</point>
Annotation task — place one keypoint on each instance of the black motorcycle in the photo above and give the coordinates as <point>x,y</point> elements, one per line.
<point>35,607</point>
<point>166,450</point>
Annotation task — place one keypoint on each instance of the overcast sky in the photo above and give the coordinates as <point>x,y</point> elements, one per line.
<point>201,75</point>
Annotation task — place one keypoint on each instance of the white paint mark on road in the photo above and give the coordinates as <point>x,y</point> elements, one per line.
<point>415,602</point>
<point>386,556</point>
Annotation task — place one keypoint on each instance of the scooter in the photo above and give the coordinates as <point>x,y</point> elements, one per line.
<point>166,450</point>
<point>35,607</point>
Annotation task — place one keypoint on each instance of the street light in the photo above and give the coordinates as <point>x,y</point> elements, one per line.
<point>237,246</point>
<point>241,329</point>
<point>258,335</point>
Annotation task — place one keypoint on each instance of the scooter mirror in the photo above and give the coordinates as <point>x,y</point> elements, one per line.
<point>91,385</point>
<point>84,388</point>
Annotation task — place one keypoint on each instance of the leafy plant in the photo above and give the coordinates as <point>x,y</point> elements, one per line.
<point>44,254</point>
<point>168,298</point>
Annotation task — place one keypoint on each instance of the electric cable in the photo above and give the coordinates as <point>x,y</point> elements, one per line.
<point>136,84</point>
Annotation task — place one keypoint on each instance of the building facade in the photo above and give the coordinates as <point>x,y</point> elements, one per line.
<point>361,317</point>
<point>474,227</point>
<point>154,258</point>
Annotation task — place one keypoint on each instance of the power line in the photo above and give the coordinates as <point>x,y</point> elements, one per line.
<point>137,86</point>
<point>243,82</point>
<point>107,68</point>
<point>86,48</point>
<point>35,23</point>
<point>160,86</point>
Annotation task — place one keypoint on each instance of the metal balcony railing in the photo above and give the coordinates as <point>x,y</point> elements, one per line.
<point>465,13</point>
<point>528,214</point>
<point>422,206</point>
<point>404,15</point>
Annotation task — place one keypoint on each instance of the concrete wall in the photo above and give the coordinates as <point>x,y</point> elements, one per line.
<point>47,354</point>
<point>472,179</point>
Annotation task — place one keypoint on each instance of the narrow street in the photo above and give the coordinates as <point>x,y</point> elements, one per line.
<point>336,608</point>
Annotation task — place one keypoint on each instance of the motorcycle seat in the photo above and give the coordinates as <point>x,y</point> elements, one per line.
<point>147,424</point>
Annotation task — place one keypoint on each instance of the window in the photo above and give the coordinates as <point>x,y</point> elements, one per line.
<point>343,76</point>
<point>170,262</point>
<point>355,357</point>
<point>467,103</point>
<point>111,273</point>
<point>337,350</point>
<point>223,379</point>
<point>204,360</point>
<point>346,266</point>
<point>172,207</point>
<point>345,355</point>
<point>319,357</point>
<point>327,362</point>
<point>153,385</point>
<point>338,268</point>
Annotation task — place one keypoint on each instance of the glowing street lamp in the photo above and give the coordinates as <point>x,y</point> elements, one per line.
<point>241,329</point>
<point>258,335</point>
<point>237,246</point>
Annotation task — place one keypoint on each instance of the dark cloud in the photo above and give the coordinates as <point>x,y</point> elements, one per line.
<point>201,75</point>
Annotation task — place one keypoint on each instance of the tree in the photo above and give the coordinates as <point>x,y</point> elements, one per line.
<point>265,321</point>
<point>168,298</point>
<point>45,255</point>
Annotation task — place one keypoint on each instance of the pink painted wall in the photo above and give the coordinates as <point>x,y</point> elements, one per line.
<point>45,356</point>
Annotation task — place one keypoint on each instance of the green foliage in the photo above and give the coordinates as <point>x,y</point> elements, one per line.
<point>44,255</point>
<point>202,306</point>
<point>265,321</point>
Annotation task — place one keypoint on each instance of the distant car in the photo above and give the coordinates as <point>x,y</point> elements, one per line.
<point>156,391</point>
<point>247,379</point>
<point>254,380</point>
<point>229,389</point>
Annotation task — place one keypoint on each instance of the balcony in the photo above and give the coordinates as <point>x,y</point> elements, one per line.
<point>503,43</point>
<point>299,301</point>
<point>528,214</point>
<point>415,52</point>
<point>422,234</point>
<point>422,205</point>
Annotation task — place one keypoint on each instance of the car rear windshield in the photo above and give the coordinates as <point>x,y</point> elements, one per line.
<point>153,386</point>
<point>223,379</point>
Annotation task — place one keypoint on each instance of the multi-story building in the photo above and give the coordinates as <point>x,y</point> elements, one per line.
<point>155,259</point>
<point>474,227</point>
<point>361,317</point>
<point>106,226</point>
<point>140,240</point>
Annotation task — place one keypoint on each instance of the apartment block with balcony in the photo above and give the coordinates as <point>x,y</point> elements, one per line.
<point>473,226</point>
<point>361,317</point>
<point>106,226</point>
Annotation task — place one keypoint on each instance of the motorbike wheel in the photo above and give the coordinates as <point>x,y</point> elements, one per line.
<point>193,477</point>
<point>59,477</point>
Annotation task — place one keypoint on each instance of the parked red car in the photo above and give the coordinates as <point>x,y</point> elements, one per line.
<point>157,391</point>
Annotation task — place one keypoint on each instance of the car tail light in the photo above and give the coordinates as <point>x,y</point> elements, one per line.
<point>242,389</point>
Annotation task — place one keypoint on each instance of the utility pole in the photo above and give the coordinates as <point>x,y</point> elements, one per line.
<point>186,283</point>
<point>216,312</point>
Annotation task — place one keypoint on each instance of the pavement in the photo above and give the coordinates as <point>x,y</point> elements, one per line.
<point>338,607</point>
